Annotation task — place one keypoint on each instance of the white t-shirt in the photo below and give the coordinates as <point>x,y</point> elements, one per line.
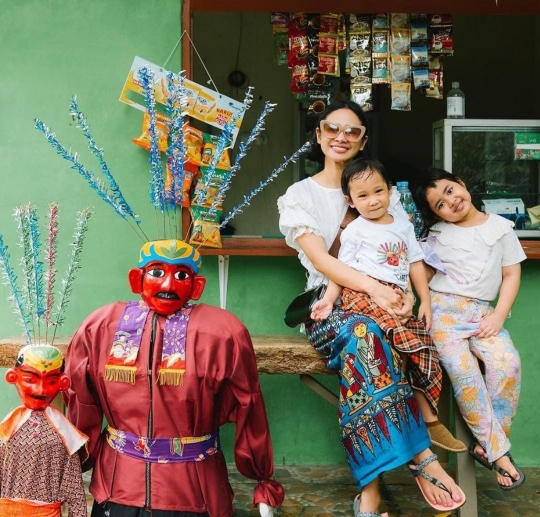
<point>473,258</point>
<point>308,207</point>
<point>382,251</point>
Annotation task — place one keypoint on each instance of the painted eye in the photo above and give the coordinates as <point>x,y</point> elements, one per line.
<point>156,273</point>
<point>181,275</point>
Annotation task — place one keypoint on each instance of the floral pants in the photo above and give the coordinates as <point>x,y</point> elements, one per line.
<point>488,401</point>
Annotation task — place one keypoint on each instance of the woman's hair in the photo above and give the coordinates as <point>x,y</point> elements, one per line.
<point>316,153</point>
<point>362,167</point>
<point>419,189</point>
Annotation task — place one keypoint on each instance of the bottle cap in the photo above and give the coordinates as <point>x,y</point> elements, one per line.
<point>402,184</point>
<point>455,84</point>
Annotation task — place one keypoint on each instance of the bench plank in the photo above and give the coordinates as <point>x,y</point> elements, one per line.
<point>276,354</point>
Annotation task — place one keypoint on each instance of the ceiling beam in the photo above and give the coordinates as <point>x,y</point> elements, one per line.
<point>459,7</point>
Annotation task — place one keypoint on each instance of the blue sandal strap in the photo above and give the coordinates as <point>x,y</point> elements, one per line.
<point>418,470</point>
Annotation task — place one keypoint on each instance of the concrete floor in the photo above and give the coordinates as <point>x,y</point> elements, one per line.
<point>329,491</point>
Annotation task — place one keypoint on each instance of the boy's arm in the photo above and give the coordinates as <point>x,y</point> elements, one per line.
<point>491,325</point>
<point>322,309</point>
<point>418,277</point>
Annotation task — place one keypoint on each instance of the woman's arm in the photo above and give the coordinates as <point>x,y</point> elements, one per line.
<point>315,249</point>
<point>491,325</point>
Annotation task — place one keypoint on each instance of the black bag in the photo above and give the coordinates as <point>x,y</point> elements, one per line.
<point>300,308</point>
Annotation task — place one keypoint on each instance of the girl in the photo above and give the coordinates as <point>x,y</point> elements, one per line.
<point>480,256</point>
<point>311,213</point>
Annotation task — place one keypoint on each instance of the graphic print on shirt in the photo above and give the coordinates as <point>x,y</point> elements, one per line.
<point>395,256</point>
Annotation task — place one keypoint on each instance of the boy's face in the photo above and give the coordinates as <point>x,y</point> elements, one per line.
<point>370,195</point>
<point>37,389</point>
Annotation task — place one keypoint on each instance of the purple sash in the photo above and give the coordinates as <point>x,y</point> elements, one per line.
<point>163,450</point>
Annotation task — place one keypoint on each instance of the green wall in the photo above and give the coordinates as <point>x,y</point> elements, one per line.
<point>52,50</point>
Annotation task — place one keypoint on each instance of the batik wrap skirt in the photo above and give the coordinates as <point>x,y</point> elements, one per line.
<point>381,426</point>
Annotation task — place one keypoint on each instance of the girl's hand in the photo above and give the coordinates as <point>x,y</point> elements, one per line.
<point>425,314</point>
<point>321,310</point>
<point>490,326</point>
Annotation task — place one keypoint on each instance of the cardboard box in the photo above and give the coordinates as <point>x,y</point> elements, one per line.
<point>504,206</point>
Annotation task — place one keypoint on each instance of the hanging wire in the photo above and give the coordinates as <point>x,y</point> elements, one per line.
<point>211,81</point>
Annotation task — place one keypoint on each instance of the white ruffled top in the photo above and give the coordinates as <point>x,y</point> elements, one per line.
<point>473,257</point>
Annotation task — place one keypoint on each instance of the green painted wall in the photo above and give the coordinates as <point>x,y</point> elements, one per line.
<point>52,50</point>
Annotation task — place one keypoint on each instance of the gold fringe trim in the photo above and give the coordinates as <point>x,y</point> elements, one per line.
<point>169,377</point>
<point>116,373</point>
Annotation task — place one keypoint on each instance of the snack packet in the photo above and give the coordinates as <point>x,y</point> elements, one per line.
<point>162,129</point>
<point>205,230</point>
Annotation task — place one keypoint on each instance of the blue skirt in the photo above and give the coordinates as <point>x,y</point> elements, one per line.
<point>381,426</point>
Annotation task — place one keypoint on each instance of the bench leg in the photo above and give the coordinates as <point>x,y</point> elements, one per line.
<point>465,467</point>
<point>318,388</point>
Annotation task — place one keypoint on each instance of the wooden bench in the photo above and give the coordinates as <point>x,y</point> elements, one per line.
<point>292,354</point>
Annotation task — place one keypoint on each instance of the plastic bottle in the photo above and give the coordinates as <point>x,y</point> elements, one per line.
<point>455,102</point>
<point>407,202</point>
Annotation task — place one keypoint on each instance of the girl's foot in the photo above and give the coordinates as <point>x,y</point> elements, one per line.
<point>452,497</point>
<point>509,475</point>
<point>480,455</point>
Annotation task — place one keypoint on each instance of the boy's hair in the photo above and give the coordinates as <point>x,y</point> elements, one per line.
<point>362,167</point>
<point>419,189</point>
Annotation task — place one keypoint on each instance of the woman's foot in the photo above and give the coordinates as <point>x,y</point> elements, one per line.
<point>359,512</point>
<point>367,503</point>
<point>452,497</point>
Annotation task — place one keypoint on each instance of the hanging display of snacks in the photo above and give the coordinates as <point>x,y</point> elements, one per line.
<point>328,45</point>
<point>280,30</point>
<point>363,51</point>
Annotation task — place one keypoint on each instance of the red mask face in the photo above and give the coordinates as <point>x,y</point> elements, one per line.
<point>35,388</point>
<point>166,288</point>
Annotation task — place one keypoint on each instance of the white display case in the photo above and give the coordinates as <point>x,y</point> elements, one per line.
<point>499,161</point>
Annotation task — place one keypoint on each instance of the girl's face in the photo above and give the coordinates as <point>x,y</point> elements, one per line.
<point>450,201</point>
<point>335,135</point>
<point>370,195</point>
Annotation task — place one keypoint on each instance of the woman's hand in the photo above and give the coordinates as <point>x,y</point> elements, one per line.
<point>387,298</point>
<point>404,313</point>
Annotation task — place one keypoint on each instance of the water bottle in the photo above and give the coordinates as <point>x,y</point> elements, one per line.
<point>455,102</point>
<point>407,202</point>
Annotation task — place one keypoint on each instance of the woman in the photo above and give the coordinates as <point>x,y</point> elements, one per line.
<point>378,415</point>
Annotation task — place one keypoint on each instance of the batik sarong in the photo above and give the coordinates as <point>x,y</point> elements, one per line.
<point>381,426</point>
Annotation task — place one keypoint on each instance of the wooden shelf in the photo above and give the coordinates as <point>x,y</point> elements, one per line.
<point>254,246</point>
<point>531,248</point>
<point>276,247</point>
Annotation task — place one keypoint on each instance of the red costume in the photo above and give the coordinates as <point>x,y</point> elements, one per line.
<point>220,384</point>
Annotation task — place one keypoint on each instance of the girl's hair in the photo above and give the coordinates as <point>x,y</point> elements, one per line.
<point>362,167</point>
<point>419,189</point>
<point>316,153</point>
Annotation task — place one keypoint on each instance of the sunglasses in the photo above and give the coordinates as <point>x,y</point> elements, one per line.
<point>351,133</point>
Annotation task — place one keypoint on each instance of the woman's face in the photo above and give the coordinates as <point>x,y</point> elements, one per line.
<point>337,147</point>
